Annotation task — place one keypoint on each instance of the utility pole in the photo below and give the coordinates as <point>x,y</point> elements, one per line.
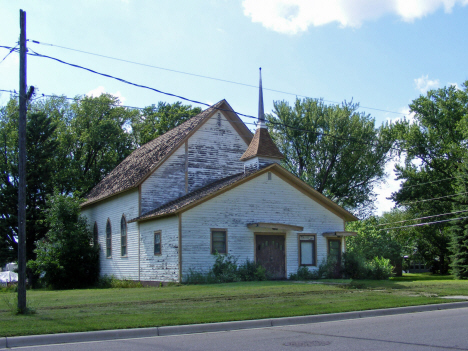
<point>22,169</point>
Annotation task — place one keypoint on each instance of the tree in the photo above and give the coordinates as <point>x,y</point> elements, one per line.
<point>97,139</point>
<point>41,145</point>
<point>155,120</point>
<point>434,146</point>
<point>333,148</point>
<point>66,257</point>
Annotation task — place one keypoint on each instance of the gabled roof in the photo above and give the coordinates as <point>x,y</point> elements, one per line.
<point>214,189</point>
<point>262,145</point>
<point>136,167</point>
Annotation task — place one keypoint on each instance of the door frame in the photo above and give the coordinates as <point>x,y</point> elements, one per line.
<point>285,248</point>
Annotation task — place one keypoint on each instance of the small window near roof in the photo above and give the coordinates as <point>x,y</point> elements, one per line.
<point>218,241</point>
<point>307,250</point>
<point>157,243</point>
<point>123,236</point>
<point>108,239</point>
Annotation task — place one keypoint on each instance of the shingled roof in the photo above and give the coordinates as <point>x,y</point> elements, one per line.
<point>262,145</point>
<point>216,188</point>
<point>177,204</point>
<point>141,162</point>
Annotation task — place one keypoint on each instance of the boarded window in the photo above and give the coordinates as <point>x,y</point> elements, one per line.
<point>157,243</point>
<point>123,236</point>
<point>218,241</point>
<point>108,239</point>
<point>307,250</point>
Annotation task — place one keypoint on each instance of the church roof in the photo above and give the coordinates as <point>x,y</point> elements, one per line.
<point>218,187</point>
<point>262,146</point>
<point>135,168</point>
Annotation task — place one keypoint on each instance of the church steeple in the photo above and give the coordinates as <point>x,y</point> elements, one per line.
<point>261,112</point>
<point>262,150</point>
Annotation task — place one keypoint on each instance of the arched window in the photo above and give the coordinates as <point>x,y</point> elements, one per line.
<point>123,236</point>
<point>95,234</point>
<point>108,239</point>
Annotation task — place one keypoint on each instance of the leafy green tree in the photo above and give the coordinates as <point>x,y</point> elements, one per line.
<point>333,148</point>
<point>97,139</point>
<point>66,257</point>
<point>434,147</point>
<point>373,241</point>
<point>155,120</point>
<point>41,145</point>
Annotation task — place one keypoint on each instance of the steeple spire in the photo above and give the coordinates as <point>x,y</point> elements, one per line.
<point>261,113</point>
<point>262,150</point>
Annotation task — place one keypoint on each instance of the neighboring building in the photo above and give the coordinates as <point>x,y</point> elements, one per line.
<point>210,185</point>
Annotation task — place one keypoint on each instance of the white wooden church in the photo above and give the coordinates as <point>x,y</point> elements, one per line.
<point>210,186</point>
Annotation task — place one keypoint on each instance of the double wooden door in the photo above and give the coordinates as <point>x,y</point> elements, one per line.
<point>270,253</point>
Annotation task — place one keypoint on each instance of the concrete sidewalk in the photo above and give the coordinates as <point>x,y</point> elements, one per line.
<point>49,339</point>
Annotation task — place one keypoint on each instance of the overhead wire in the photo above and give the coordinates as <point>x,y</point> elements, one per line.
<point>416,219</point>
<point>199,75</point>
<point>425,223</point>
<point>12,49</point>
<point>208,105</point>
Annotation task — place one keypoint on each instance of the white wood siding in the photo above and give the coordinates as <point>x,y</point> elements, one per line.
<point>163,267</point>
<point>258,200</point>
<point>213,153</point>
<point>113,208</point>
<point>166,183</point>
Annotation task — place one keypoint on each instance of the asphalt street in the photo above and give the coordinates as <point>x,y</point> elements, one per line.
<point>434,330</point>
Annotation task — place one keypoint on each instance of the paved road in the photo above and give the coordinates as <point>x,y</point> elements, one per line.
<point>435,330</point>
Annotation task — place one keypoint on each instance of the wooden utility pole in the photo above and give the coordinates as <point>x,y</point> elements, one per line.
<point>22,169</point>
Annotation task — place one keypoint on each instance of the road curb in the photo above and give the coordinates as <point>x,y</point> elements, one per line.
<point>102,335</point>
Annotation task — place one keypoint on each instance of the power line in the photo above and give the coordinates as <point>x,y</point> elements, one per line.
<point>199,75</point>
<point>9,53</point>
<point>415,219</point>
<point>435,181</point>
<point>205,104</point>
<point>435,198</point>
<point>427,223</point>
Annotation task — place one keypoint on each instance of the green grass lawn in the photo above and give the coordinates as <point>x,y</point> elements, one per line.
<point>100,309</point>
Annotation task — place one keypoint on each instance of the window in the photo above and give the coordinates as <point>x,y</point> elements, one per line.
<point>108,239</point>
<point>95,234</point>
<point>307,254</point>
<point>157,243</point>
<point>123,236</point>
<point>334,250</point>
<point>218,241</point>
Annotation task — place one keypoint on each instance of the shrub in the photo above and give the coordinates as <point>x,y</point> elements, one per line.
<point>354,266</point>
<point>65,257</point>
<point>251,271</point>
<point>303,273</point>
<point>380,268</point>
<point>226,270</point>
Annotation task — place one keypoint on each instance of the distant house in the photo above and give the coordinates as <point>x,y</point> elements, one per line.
<point>209,186</point>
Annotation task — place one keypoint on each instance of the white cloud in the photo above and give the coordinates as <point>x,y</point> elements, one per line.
<point>101,90</point>
<point>293,16</point>
<point>424,84</point>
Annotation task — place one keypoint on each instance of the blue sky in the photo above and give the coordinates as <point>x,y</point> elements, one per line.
<point>380,53</point>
